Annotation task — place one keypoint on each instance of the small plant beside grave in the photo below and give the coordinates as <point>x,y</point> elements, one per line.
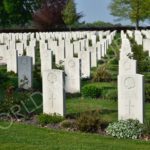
<point>45,119</point>
<point>89,122</point>
<point>102,74</point>
<point>24,82</point>
<point>129,129</point>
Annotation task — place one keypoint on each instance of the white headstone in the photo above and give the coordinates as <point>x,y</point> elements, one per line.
<point>130,97</point>
<point>53,92</point>
<point>19,48</point>
<point>85,57</point>
<point>25,72</point>
<point>46,60</point>
<point>30,51</point>
<point>130,87</point>
<point>72,75</point>
<point>12,60</point>
<point>68,49</point>
<point>94,59</point>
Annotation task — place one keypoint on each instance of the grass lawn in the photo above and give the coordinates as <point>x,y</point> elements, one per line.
<point>108,107</point>
<point>79,105</point>
<point>24,137</point>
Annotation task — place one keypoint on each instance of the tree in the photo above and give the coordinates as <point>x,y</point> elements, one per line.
<point>18,12</point>
<point>70,15</point>
<point>50,14</point>
<point>3,15</point>
<point>134,10</point>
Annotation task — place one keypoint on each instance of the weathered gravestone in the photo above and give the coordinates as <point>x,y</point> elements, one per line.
<point>130,87</point>
<point>3,54</point>
<point>46,60</point>
<point>53,92</point>
<point>85,57</point>
<point>20,49</point>
<point>12,60</point>
<point>30,51</point>
<point>68,49</point>
<point>72,75</point>
<point>138,38</point>
<point>94,58</point>
<point>25,72</point>
<point>60,53</point>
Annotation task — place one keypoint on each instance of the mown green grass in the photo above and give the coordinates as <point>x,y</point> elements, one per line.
<point>24,137</point>
<point>80,105</point>
<point>109,108</point>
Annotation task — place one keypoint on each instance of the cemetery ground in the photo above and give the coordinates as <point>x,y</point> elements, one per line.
<point>24,137</point>
<point>36,131</point>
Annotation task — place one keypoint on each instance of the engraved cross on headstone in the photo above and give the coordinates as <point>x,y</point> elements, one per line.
<point>129,107</point>
<point>52,98</point>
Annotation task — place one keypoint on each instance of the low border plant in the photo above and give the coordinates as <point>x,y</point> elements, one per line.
<point>127,129</point>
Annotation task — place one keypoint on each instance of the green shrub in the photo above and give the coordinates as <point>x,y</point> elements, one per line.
<point>114,61</point>
<point>91,91</point>
<point>101,61</point>
<point>144,64</point>
<point>141,56</point>
<point>45,119</point>
<point>113,68</point>
<point>89,122</point>
<point>146,77</point>
<point>10,100</point>
<point>110,51</point>
<point>147,127</point>
<point>37,79</point>
<point>131,129</point>
<point>111,94</point>
<point>3,77</point>
<point>67,124</point>
<point>102,74</point>
<point>7,79</point>
<point>147,93</point>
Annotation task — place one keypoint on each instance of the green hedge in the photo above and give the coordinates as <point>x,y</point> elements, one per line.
<point>91,91</point>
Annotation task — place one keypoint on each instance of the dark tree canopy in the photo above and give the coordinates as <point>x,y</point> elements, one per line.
<point>50,14</point>
<point>17,12</point>
<point>3,15</point>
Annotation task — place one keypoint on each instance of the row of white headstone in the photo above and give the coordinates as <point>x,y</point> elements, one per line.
<point>130,84</point>
<point>142,38</point>
<point>57,82</point>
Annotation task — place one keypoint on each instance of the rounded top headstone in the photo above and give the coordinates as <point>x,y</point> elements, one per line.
<point>129,83</point>
<point>71,63</point>
<point>52,78</point>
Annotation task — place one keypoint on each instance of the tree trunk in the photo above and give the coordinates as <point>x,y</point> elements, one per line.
<point>137,24</point>
<point>69,28</point>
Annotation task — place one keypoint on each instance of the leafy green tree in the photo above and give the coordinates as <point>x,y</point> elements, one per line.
<point>134,10</point>
<point>70,15</point>
<point>4,21</point>
<point>17,12</point>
